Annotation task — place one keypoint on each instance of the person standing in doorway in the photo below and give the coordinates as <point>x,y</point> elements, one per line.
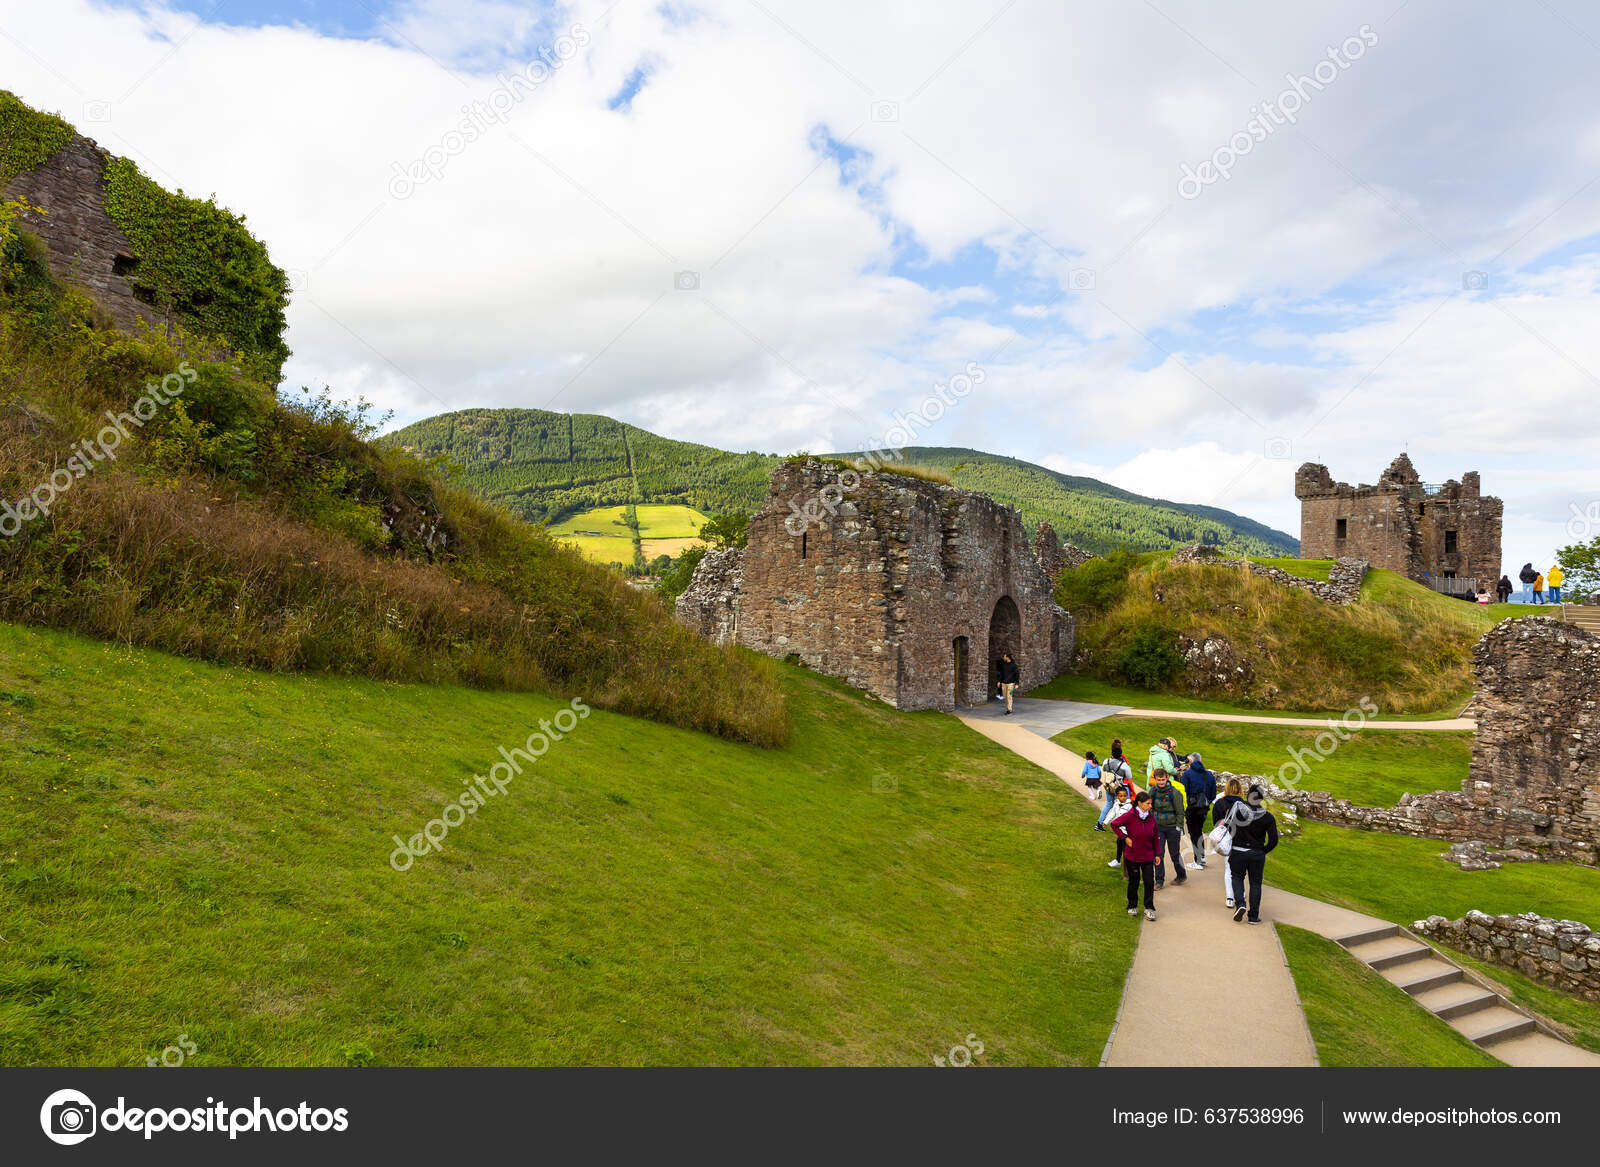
<point>1555,579</point>
<point>1008,674</point>
<point>1137,830</point>
<point>1166,803</point>
<point>1255,834</point>
<point>1199,792</point>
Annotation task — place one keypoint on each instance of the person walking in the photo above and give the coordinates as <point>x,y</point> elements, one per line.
<point>1538,588</point>
<point>1503,589</point>
<point>1009,676</point>
<point>1199,792</point>
<point>1161,758</point>
<point>1234,794</point>
<point>1555,579</point>
<point>1091,773</point>
<point>1117,775</point>
<point>1255,834</point>
<point>1527,575</point>
<point>1166,803</point>
<point>1137,829</point>
<point>1118,803</point>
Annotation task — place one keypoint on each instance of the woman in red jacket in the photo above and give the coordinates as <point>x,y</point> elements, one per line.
<point>1137,828</point>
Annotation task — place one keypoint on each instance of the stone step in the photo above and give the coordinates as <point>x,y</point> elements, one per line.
<point>1484,1000</point>
<point>1428,977</point>
<point>1410,954</point>
<point>1513,1025</point>
<point>1370,934</point>
<point>1437,1000</point>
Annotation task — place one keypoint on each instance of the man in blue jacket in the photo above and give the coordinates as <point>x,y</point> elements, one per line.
<point>1200,789</point>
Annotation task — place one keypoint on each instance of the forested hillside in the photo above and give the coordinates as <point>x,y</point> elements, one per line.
<point>548,466</point>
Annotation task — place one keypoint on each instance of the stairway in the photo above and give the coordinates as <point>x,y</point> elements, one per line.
<point>1439,985</point>
<point>1586,616</point>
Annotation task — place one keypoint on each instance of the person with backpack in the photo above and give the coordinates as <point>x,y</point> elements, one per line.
<point>1091,774</point>
<point>1233,793</point>
<point>1255,834</point>
<point>1199,792</point>
<point>1117,776</point>
<point>1166,803</point>
<point>1118,803</point>
<point>1137,829</point>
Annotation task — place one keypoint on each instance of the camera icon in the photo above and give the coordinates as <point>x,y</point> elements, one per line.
<point>68,1117</point>
<point>687,281</point>
<point>299,279</point>
<point>1080,279</point>
<point>97,112</point>
<point>1474,281</point>
<point>1278,449</point>
<point>885,784</point>
<point>1584,523</point>
<point>885,111</point>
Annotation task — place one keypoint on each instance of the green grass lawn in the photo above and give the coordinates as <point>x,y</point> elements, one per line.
<point>1304,568</point>
<point>1401,879</point>
<point>1373,768</point>
<point>1078,687</point>
<point>1359,1019</point>
<point>197,850</point>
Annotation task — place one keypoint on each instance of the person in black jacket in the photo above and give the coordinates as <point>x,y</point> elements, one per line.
<point>1007,672</point>
<point>1527,575</point>
<point>1503,589</point>
<point>1255,834</point>
<point>1199,791</point>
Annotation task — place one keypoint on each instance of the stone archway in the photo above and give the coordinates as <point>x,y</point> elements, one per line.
<point>1005,635</point>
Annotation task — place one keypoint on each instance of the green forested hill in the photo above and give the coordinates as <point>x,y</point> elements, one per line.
<point>546,466</point>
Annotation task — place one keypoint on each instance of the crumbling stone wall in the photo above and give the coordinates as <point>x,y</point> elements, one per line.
<point>1562,953</point>
<point>1343,585</point>
<point>85,247</point>
<point>903,587</point>
<point>1534,782</point>
<point>1401,524</point>
<point>1047,550</point>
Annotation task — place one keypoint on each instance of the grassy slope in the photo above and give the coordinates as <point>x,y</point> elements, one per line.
<point>1373,768</point>
<point>1079,687</point>
<point>1359,1019</point>
<point>188,848</point>
<point>1401,879</point>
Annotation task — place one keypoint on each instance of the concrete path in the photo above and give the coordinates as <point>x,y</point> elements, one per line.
<point>1049,717</point>
<point>1193,941</point>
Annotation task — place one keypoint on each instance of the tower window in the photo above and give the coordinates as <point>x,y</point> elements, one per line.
<point>803,536</point>
<point>1341,528</point>
<point>1449,542</point>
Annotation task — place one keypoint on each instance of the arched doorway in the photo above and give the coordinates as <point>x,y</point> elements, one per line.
<point>1005,635</point>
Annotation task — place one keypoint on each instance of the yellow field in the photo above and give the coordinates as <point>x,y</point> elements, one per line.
<point>600,535</point>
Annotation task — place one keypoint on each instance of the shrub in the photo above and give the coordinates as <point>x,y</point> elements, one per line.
<point>1096,584</point>
<point>1149,658</point>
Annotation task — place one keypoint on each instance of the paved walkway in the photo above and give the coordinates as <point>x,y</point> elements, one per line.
<point>1194,939</point>
<point>1048,717</point>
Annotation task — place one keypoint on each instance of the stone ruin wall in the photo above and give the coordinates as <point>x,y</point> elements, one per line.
<point>1533,786</point>
<point>1343,585</point>
<point>85,247</point>
<point>1561,953</point>
<point>875,583</point>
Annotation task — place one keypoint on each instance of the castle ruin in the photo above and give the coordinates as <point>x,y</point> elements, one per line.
<point>907,588</point>
<point>1430,533</point>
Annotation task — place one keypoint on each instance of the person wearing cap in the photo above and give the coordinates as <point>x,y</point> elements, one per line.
<point>1200,791</point>
<point>1255,834</point>
<point>1161,756</point>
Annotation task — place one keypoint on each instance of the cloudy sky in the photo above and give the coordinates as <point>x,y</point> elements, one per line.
<point>1188,245</point>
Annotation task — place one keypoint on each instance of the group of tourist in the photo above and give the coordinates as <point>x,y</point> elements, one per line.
<point>1149,825</point>
<point>1533,585</point>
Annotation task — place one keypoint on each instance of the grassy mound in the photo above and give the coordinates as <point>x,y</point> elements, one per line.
<point>228,522</point>
<point>1405,647</point>
<point>1359,1019</point>
<point>199,850</point>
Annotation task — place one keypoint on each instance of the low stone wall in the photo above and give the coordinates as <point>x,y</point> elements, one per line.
<point>1343,585</point>
<point>1563,954</point>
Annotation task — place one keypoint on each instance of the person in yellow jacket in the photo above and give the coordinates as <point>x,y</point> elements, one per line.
<point>1555,579</point>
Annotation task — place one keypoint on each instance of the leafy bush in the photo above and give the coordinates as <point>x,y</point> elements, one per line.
<point>675,580</point>
<point>1096,584</point>
<point>1149,658</point>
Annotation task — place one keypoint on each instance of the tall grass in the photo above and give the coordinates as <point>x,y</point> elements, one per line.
<point>241,528</point>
